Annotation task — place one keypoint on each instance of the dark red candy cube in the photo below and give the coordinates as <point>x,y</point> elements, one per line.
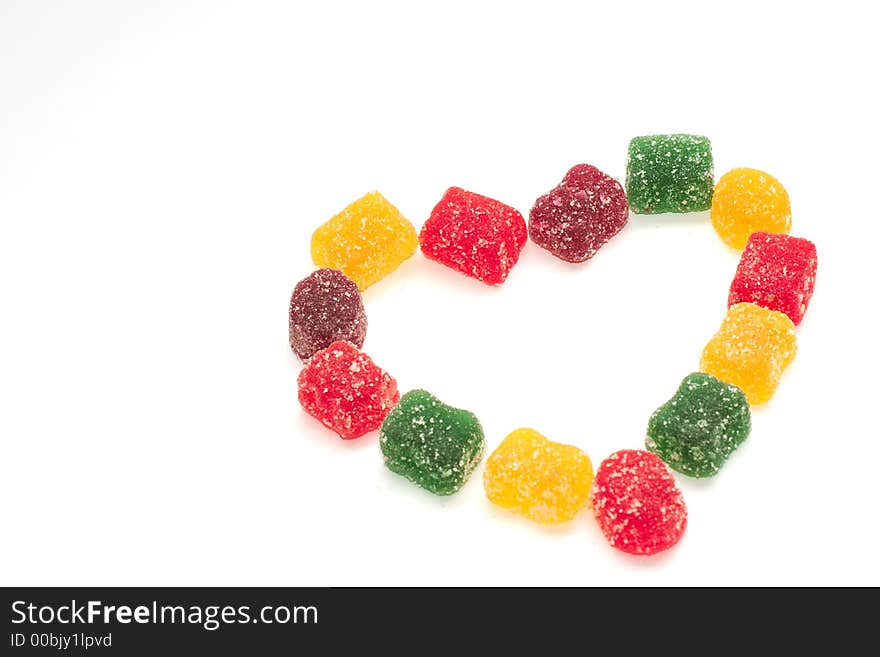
<point>343,388</point>
<point>578,216</point>
<point>637,503</point>
<point>325,306</point>
<point>475,235</point>
<point>777,272</point>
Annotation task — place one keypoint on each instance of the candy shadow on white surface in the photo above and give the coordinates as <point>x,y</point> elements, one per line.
<point>649,562</point>
<point>428,275</point>
<point>369,440</point>
<point>668,220</point>
<point>496,513</point>
<point>315,431</point>
<point>533,256</point>
<point>394,484</point>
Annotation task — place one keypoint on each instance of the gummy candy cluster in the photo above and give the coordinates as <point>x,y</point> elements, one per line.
<point>633,493</point>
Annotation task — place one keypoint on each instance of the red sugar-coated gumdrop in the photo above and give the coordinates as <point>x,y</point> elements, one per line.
<point>777,272</point>
<point>637,503</point>
<point>574,219</point>
<point>343,388</point>
<point>475,235</point>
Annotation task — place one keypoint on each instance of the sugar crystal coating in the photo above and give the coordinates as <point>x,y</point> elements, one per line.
<point>546,481</point>
<point>343,388</point>
<point>475,235</point>
<point>700,427</point>
<point>578,216</point>
<point>749,200</point>
<point>751,350</point>
<point>430,443</point>
<point>367,241</point>
<point>669,173</point>
<point>325,306</point>
<point>637,503</point>
<point>777,272</point>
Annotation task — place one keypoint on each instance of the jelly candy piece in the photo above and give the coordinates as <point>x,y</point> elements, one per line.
<point>777,272</point>
<point>544,480</point>
<point>751,350</point>
<point>703,423</point>
<point>326,306</point>
<point>343,388</point>
<point>748,200</point>
<point>669,173</point>
<point>432,444</point>
<point>475,235</point>
<point>366,241</point>
<point>574,219</point>
<point>637,503</point>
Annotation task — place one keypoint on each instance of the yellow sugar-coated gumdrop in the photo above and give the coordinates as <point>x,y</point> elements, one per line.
<point>547,481</point>
<point>746,201</point>
<point>366,241</point>
<point>751,350</point>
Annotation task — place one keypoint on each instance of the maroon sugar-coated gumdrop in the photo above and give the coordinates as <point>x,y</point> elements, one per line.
<point>637,503</point>
<point>475,235</point>
<point>326,306</point>
<point>777,272</point>
<point>343,388</point>
<point>574,219</point>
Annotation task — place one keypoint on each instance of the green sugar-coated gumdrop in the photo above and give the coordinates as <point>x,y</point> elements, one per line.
<point>432,444</point>
<point>703,423</point>
<point>669,173</point>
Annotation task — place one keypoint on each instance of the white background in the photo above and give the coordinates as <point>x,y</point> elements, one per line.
<point>162,168</point>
